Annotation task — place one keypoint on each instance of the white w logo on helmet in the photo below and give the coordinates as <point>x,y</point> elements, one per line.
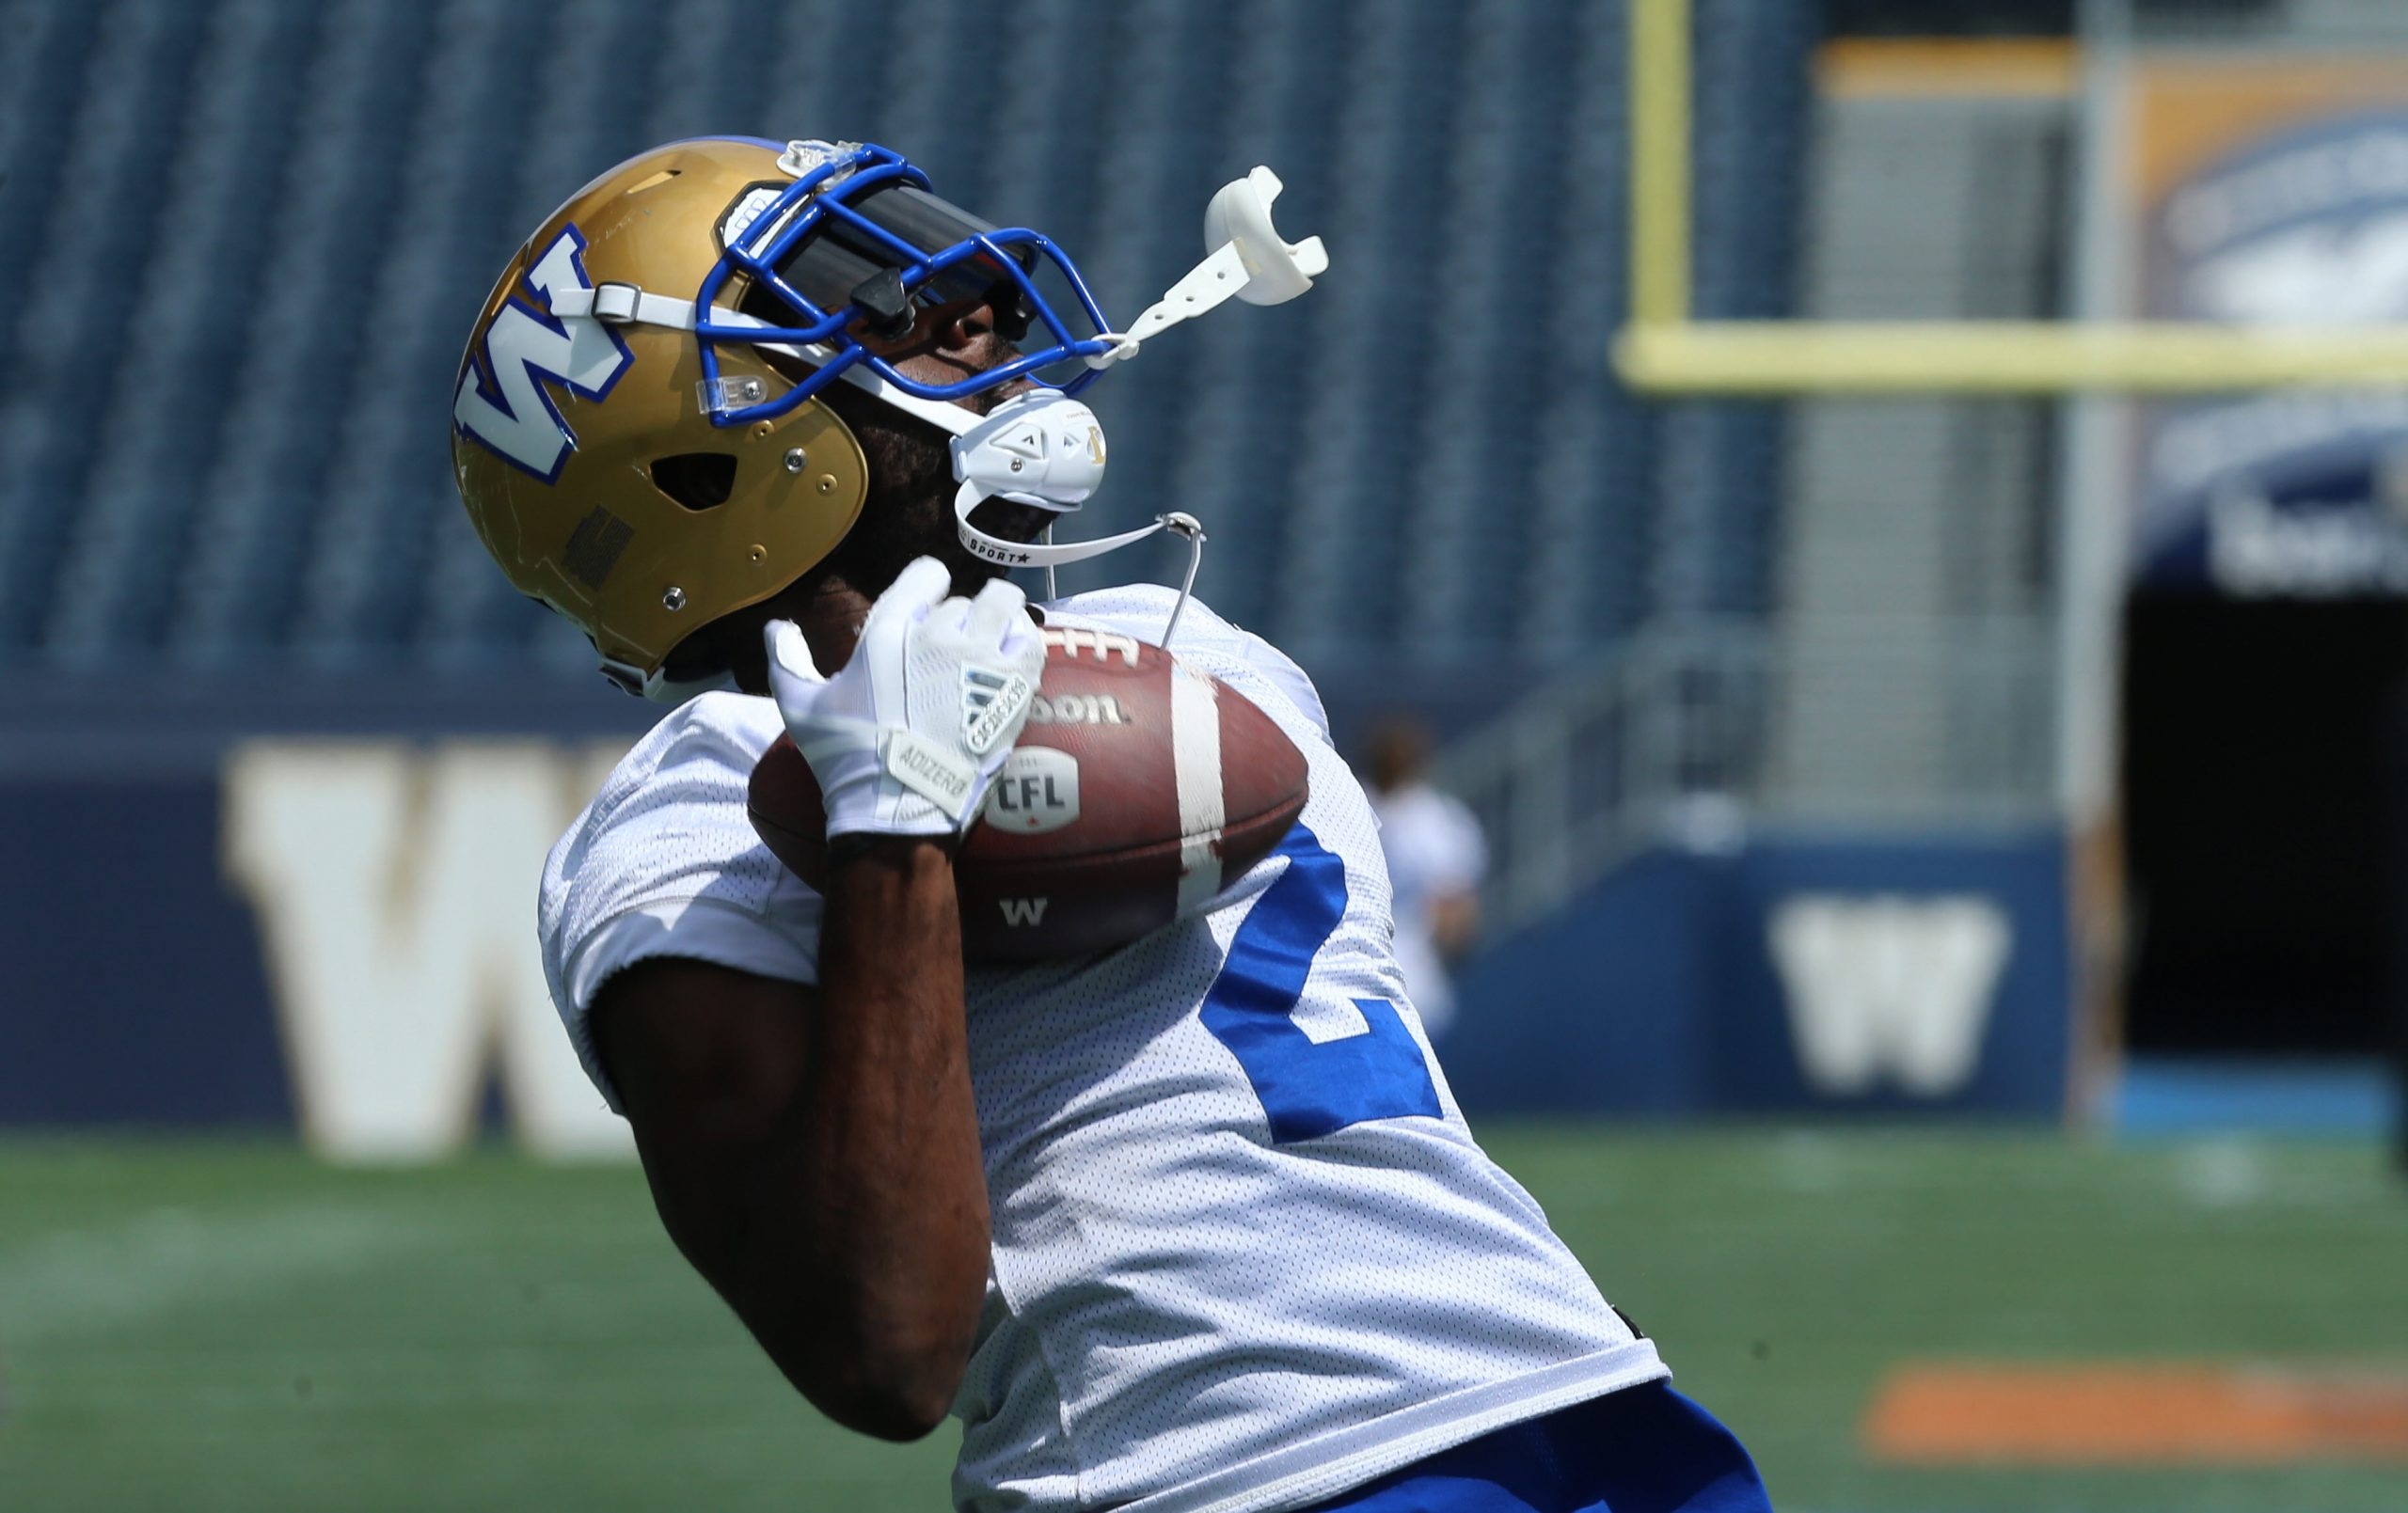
<point>501,403</point>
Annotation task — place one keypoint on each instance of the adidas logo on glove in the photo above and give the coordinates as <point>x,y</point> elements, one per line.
<point>991,703</point>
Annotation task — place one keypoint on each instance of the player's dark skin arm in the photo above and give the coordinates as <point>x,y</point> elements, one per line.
<point>815,1152</point>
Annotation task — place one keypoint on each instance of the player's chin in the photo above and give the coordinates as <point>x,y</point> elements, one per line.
<point>1011,520</point>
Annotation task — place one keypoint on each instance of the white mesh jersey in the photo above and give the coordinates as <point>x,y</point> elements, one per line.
<point>1245,1253</point>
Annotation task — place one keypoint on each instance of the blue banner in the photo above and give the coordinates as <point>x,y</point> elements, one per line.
<point>1796,973</point>
<point>337,936</point>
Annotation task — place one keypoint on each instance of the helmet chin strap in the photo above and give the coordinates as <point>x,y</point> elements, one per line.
<point>1045,448</point>
<point>1039,448</point>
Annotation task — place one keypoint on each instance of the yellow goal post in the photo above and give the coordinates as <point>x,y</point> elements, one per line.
<point>1664,348</point>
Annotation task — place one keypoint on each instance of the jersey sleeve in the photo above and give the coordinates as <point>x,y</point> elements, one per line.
<point>1240,658</point>
<point>665,863</point>
<point>1277,669</point>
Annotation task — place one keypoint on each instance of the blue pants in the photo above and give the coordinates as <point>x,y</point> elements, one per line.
<point>1645,1449</point>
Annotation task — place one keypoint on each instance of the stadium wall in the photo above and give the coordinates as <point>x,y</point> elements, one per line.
<point>333,934</point>
<point>1793,972</point>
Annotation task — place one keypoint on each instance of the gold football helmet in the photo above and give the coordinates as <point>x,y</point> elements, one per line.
<point>595,478</point>
<point>637,428</point>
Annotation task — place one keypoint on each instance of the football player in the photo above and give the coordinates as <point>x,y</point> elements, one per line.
<point>1192,1226</point>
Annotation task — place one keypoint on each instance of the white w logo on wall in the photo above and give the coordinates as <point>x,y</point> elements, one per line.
<point>396,898</point>
<point>1888,986</point>
<point>501,402</point>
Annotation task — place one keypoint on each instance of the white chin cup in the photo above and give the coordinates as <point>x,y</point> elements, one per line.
<point>1041,448</point>
<point>1046,449</point>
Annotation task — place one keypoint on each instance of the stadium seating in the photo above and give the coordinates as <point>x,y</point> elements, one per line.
<point>252,234</point>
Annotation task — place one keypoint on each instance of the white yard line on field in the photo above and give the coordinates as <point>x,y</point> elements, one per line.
<point>71,1282</point>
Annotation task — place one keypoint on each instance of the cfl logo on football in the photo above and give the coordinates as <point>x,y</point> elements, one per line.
<point>1037,790</point>
<point>1077,709</point>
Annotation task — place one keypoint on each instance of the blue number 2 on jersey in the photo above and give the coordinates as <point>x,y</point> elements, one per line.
<point>1307,1089</point>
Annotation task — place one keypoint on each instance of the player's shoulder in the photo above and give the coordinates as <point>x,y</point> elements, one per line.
<point>1205,641</point>
<point>669,820</point>
<point>702,746</point>
<point>665,863</point>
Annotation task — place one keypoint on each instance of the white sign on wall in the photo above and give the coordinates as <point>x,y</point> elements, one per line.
<point>395,887</point>
<point>1886,988</point>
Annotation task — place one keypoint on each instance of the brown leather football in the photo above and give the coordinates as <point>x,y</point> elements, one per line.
<point>1138,787</point>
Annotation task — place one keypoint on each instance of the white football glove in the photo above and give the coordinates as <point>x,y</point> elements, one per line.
<point>906,737</point>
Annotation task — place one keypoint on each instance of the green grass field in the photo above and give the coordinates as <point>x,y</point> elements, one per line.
<point>235,1328</point>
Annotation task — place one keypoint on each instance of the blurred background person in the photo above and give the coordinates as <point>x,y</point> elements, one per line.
<point>1436,857</point>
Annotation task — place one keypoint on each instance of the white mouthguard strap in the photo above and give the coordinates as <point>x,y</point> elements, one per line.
<point>1247,258</point>
<point>1047,555</point>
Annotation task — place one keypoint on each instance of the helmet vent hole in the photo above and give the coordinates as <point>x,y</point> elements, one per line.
<point>696,480</point>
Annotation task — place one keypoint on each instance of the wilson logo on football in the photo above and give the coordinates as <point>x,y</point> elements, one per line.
<point>501,403</point>
<point>1077,709</point>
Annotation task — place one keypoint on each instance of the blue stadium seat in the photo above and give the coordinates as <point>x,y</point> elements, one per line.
<point>388,483</point>
<point>208,264</point>
<point>113,174</point>
<point>258,230</point>
<point>311,354</point>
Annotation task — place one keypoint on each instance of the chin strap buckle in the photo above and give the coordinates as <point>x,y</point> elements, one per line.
<point>1179,523</point>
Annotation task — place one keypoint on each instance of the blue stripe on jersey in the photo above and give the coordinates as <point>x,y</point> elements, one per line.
<point>1309,1090</point>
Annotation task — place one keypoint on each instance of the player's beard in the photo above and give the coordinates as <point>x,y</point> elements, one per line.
<point>908,511</point>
